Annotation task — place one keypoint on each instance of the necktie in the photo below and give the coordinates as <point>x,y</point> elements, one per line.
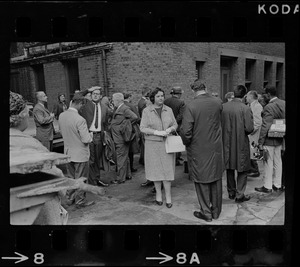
<point>97,115</point>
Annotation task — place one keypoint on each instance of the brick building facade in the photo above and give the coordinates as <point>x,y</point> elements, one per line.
<point>120,67</point>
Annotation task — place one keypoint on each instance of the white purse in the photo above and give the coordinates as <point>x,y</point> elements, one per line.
<point>174,144</point>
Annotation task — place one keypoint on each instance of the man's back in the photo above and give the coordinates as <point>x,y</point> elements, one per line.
<point>237,123</point>
<point>177,106</point>
<point>75,135</point>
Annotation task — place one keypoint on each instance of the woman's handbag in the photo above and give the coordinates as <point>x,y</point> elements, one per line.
<point>174,144</point>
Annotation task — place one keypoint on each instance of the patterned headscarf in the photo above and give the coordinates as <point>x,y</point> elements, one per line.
<point>16,103</point>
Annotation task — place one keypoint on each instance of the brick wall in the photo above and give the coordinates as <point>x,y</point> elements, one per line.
<point>90,71</point>
<point>132,65</point>
<point>55,82</point>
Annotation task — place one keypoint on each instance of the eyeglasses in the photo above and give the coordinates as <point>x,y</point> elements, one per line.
<point>96,94</point>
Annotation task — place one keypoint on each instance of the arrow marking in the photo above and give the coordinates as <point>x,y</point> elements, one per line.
<point>165,258</point>
<point>20,258</point>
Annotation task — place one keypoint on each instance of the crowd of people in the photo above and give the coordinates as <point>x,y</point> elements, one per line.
<point>99,132</point>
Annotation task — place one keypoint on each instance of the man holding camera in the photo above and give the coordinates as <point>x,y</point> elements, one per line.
<point>274,110</point>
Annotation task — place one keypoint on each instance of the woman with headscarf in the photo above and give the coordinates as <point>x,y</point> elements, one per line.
<point>18,116</point>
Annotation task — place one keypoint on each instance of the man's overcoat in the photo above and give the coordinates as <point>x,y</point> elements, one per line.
<point>237,123</point>
<point>201,132</point>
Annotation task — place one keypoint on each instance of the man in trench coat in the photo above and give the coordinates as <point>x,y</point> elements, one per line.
<point>201,132</point>
<point>237,124</point>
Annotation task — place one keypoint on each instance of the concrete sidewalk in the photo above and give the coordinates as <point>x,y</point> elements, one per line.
<point>131,204</point>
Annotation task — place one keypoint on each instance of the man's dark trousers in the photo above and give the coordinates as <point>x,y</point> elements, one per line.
<point>210,198</point>
<point>96,147</point>
<point>236,188</point>
<point>76,170</point>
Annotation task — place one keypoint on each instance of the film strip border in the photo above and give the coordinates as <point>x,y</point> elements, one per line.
<point>164,21</point>
<point>149,21</point>
<point>138,246</point>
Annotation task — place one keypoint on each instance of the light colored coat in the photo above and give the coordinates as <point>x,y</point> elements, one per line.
<point>159,166</point>
<point>257,109</point>
<point>76,136</point>
<point>43,122</point>
<point>151,122</point>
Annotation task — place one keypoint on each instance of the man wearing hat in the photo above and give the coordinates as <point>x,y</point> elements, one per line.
<point>177,105</point>
<point>96,116</point>
<point>201,132</point>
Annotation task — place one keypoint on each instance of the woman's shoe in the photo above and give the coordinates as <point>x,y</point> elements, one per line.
<point>159,203</point>
<point>169,205</point>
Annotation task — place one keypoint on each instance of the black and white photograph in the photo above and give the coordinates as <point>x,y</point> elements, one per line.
<point>147,133</point>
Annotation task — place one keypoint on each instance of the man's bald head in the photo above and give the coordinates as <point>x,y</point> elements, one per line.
<point>41,96</point>
<point>118,99</point>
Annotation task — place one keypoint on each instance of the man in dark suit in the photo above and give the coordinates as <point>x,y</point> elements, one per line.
<point>201,132</point>
<point>76,144</point>
<point>43,119</point>
<point>275,109</point>
<point>134,146</point>
<point>121,113</point>
<point>237,124</point>
<point>143,102</point>
<point>96,117</point>
<point>177,105</point>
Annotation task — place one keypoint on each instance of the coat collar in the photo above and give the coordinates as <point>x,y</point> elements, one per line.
<point>152,108</point>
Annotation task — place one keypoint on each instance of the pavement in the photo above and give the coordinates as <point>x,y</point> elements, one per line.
<point>131,204</point>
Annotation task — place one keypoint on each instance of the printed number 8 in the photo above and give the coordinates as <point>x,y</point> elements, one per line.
<point>38,258</point>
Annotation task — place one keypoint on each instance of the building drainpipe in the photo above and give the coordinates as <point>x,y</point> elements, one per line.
<point>104,72</point>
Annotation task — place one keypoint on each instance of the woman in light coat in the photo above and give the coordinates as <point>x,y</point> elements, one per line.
<point>157,122</point>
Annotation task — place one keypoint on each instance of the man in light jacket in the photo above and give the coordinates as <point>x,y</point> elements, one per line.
<point>256,107</point>
<point>275,109</point>
<point>76,144</point>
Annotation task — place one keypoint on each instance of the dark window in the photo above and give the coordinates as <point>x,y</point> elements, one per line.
<point>267,72</point>
<point>250,73</point>
<point>279,78</point>
<point>39,77</point>
<point>72,76</point>
<point>14,82</point>
<point>199,69</point>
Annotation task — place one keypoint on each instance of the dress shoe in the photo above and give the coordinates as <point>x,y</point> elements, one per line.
<point>84,204</point>
<point>133,170</point>
<point>147,183</point>
<point>159,203</point>
<point>117,182</point>
<point>100,183</point>
<point>128,177</point>
<point>263,189</point>
<point>253,174</point>
<point>215,216</point>
<point>277,188</point>
<point>201,216</point>
<point>242,199</point>
<point>231,196</point>
<point>169,205</point>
